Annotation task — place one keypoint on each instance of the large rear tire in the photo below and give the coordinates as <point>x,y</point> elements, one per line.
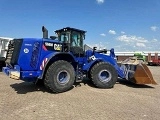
<point>103,75</point>
<point>59,77</point>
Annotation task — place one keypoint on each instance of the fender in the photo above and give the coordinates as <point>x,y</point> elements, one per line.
<point>87,66</point>
<point>47,59</point>
<point>104,58</point>
<point>111,59</point>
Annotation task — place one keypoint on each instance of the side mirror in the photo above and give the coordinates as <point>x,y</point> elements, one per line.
<point>94,48</point>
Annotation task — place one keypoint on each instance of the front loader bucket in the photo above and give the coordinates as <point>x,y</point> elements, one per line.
<point>137,71</point>
<point>142,75</point>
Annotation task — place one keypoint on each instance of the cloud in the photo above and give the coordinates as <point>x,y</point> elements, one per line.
<point>112,32</point>
<point>140,45</point>
<point>133,41</point>
<point>154,28</point>
<point>154,44</point>
<point>133,38</point>
<point>103,34</point>
<point>99,45</point>
<point>154,40</point>
<point>122,32</point>
<point>100,1</point>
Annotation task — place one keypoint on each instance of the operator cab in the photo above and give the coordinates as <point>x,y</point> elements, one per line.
<point>72,40</point>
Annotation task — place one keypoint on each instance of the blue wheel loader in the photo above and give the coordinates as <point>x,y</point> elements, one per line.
<point>60,61</point>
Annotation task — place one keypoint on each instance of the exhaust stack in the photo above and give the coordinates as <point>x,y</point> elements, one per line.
<point>45,32</point>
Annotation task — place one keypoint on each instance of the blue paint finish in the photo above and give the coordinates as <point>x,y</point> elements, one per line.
<point>30,74</point>
<point>50,55</point>
<point>34,51</point>
<point>87,65</point>
<point>111,59</point>
<point>6,70</point>
<point>26,52</point>
<point>105,58</point>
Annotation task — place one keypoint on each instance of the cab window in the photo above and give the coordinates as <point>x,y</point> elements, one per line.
<point>76,40</point>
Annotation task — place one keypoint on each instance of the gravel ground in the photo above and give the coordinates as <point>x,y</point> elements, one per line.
<point>126,101</point>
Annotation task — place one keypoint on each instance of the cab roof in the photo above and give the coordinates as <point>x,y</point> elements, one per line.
<point>70,29</point>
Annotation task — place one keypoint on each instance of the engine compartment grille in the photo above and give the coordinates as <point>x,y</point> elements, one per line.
<point>9,52</point>
<point>13,51</point>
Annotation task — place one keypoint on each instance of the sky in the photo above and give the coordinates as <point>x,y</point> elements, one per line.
<point>125,25</point>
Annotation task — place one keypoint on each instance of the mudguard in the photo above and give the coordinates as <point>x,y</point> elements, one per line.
<point>97,57</point>
<point>45,61</point>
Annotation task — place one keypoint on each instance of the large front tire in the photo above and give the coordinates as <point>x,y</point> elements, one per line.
<point>103,75</point>
<point>59,77</point>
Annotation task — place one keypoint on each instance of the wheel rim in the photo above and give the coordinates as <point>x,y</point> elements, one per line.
<point>63,77</point>
<point>104,76</point>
